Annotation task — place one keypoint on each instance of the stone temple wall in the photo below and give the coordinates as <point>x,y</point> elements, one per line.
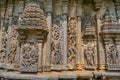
<point>59,39</point>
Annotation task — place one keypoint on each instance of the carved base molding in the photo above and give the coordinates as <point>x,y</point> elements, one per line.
<point>113,67</point>
<point>60,75</point>
<point>47,68</point>
<point>90,67</point>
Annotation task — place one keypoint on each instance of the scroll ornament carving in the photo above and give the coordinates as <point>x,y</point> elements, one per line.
<point>72,43</point>
<point>29,61</point>
<point>13,45</point>
<point>56,47</point>
<point>3,50</point>
<point>89,54</point>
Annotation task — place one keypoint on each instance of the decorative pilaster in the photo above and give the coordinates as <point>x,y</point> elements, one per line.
<point>40,66</point>
<point>79,14</point>
<point>2,18</point>
<point>106,42</point>
<point>49,37</point>
<point>10,9</point>
<point>101,58</point>
<point>117,40</point>
<point>64,25</point>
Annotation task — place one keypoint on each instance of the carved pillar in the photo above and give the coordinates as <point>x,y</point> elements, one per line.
<point>79,14</point>
<point>40,66</point>
<point>117,5</point>
<point>79,56</point>
<point>106,42</point>
<point>117,40</point>
<point>2,18</point>
<point>3,48</point>
<point>10,8</point>
<point>12,47</point>
<point>64,25</point>
<point>49,23</point>
<point>101,54</point>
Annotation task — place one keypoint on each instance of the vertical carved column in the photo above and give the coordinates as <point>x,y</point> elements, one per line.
<point>79,14</point>
<point>10,9</point>
<point>117,40</point>
<point>40,45</point>
<point>106,42</point>
<point>64,25</point>
<point>101,54</point>
<point>3,48</point>
<point>2,17</point>
<point>79,56</point>
<point>49,23</point>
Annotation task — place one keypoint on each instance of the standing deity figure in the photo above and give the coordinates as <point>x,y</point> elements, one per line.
<point>113,53</point>
<point>89,55</point>
<point>29,55</point>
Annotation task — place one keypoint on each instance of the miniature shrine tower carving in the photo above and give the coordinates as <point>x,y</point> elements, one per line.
<point>59,39</point>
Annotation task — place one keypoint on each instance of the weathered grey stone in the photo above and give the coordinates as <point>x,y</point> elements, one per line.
<point>59,39</point>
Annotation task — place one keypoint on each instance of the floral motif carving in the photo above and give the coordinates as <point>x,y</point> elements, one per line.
<point>72,43</point>
<point>56,46</point>
<point>113,54</point>
<point>12,44</point>
<point>3,50</point>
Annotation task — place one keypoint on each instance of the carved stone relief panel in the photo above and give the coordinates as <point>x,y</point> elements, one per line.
<point>56,46</point>
<point>89,40</point>
<point>72,43</point>
<point>57,7</point>
<point>29,57</point>
<point>3,48</point>
<point>89,55</point>
<point>112,55</point>
<point>12,44</point>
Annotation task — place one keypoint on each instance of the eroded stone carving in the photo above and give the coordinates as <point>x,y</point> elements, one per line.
<point>89,54</point>
<point>33,17</point>
<point>56,46</point>
<point>29,58</point>
<point>32,33</point>
<point>72,43</point>
<point>113,60</point>
<point>3,51</point>
<point>12,44</point>
<point>113,54</point>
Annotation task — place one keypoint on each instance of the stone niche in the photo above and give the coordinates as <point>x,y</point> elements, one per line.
<point>32,34</point>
